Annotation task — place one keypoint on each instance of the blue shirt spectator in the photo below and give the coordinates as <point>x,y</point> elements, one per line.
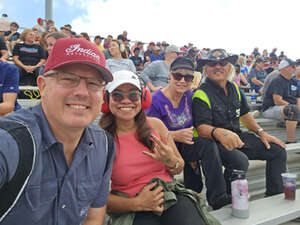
<point>9,88</point>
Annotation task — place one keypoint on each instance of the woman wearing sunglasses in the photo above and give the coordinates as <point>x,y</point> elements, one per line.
<point>173,105</point>
<point>143,189</point>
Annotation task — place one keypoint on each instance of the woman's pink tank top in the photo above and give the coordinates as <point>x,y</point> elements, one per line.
<point>132,170</point>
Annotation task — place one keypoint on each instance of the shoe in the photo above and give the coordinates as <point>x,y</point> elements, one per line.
<point>281,124</point>
<point>291,142</point>
<point>222,202</point>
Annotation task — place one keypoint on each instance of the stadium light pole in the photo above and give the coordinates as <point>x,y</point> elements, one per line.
<point>49,9</point>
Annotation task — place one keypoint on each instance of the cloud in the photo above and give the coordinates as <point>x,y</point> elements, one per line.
<point>236,25</point>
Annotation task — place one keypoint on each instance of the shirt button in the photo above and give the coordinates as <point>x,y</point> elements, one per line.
<point>63,206</point>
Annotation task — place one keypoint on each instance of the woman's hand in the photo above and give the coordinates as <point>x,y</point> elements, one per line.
<point>150,198</point>
<point>162,152</point>
<point>184,135</point>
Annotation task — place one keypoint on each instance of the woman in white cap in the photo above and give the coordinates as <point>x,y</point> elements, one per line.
<point>143,189</point>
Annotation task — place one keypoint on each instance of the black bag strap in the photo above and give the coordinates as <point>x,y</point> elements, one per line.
<point>110,148</point>
<point>11,191</point>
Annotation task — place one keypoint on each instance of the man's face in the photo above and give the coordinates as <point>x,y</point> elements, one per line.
<point>290,70</point>
<point>13,27</point>
<point>70,108</point>
<point>260,65</point>
<point>218,72</point>
<point>136,53</point>
<point>97,41</point>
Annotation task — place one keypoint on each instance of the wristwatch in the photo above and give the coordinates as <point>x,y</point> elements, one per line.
<point>259,130</point>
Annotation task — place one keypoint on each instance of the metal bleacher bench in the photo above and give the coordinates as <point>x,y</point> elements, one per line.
<point>267,211</point>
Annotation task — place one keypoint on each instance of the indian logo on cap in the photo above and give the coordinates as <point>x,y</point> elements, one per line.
<point>77,50</point>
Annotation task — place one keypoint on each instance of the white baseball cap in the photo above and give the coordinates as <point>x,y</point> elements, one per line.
<point>123,77</point>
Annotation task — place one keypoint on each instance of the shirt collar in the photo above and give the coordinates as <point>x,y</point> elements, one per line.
<point>48,138</point>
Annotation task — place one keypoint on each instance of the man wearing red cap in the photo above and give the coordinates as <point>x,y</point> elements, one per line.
<point>41,27</point>
<point>69,179</point>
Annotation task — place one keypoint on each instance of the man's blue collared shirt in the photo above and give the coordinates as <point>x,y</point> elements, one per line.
<point>56,193</point>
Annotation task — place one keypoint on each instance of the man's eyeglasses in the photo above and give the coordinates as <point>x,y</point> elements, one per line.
<point>214,63</point>
<point>71,80</point>
<point>179,76</point>
<point>118,96</point>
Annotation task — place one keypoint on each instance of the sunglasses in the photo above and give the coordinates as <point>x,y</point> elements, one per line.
<point>118,96</point>
<point>214,63</point>
<point>179,76</point>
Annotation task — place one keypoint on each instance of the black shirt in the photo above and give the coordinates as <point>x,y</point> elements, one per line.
<point>29,55</point>
<point>225,110</point>
<point>14,37</point>
<point>136,60</point>
<point>2,46</point>
<point>279,85</point>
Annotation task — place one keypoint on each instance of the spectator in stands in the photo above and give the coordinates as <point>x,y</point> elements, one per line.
<point>146,158</point>
<point>53,29</point>
<point>257,75</point>
<point>138,62</point>
<point>256,52</point>
<point>41,26</point>
<point>119,60</point>
<point>43,42</point>
<point>218,107</point>
<point>273,54</point>
<point>85,36</point>
<point>149,50</point>
<point>281,56</point>
<point>265,55</point>
<point>49,23</point>
<point>123,36</point>
<point>66,31</point>
<point>243,67</point>
<point>69,27</point>
<point>3,51</point>
<point>155,75</point>
<point>282,98</point>
<point>13,36</point>
<point>107,41</point>
<point>97,41</point>
<point>28,57</point>
<point>51,39</point>
<point>9,88</point>
<point>156,54</point>
<point>239,78</point>
<point>164,45</point>
<point>267,81</point>
<point>37,36</point>
<point>173,106</point>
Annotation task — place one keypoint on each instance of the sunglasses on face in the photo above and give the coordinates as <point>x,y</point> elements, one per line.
<point>118,96</point>
<point>179,76</point>
<point>214,63</point>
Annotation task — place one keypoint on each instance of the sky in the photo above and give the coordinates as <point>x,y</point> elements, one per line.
<point>235,25</point>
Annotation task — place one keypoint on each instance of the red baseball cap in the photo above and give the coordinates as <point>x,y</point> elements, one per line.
<point>77,50</point>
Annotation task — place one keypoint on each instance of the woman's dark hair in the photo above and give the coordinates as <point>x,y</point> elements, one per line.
<point>108,123</point>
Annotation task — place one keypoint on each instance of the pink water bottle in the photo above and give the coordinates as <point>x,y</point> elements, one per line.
<point>239,192</point>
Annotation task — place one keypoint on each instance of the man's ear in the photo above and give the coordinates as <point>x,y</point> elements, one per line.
<point>41,83</point>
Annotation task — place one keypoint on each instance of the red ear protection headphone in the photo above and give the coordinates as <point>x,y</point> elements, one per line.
<point>146,99</point>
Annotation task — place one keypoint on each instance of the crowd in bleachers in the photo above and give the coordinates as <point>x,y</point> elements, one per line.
<point>173,75</point>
